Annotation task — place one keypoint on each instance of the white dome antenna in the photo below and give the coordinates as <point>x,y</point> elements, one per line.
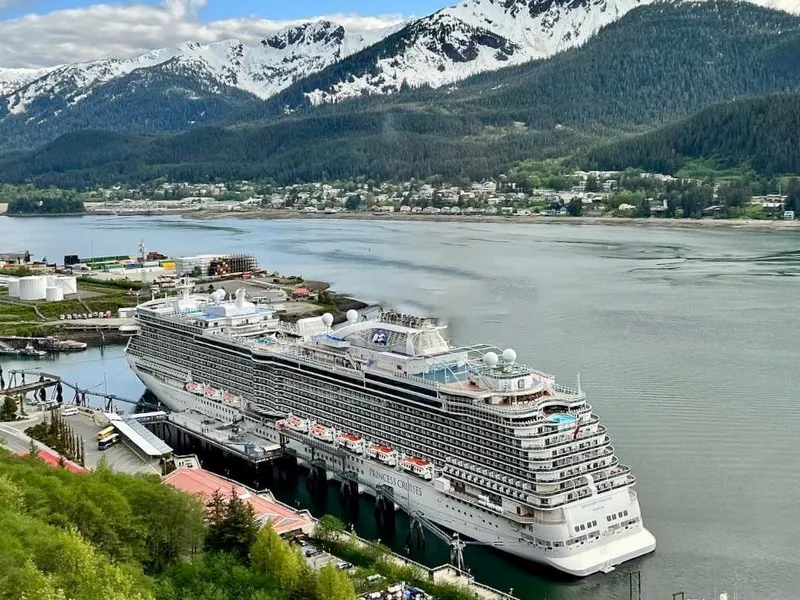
<point>490,359</point>
<point>510,355</point>
<point>352,316</point>
<point>327,320</point>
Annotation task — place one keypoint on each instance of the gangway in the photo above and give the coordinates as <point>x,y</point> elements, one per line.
<point>49,380</point>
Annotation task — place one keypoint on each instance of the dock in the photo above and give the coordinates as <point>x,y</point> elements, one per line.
<point>86,424</point>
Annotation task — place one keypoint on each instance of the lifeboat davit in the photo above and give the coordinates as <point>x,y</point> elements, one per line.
<point>417,466</point>
<point>230,399</point>
<point>195,388</point>
<point>383,454</point>
<point>322,433</point>
<point>351,441</point>
<point>213,393</point>
<point>297,424</point>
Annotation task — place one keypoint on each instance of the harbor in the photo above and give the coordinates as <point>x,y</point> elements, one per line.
<point>628,367</point>
<point>142,452</point>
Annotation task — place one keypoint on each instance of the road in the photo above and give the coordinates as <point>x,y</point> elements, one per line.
<point>120,458</point>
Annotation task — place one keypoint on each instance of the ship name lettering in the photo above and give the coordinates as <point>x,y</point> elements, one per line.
<point>393,481</point>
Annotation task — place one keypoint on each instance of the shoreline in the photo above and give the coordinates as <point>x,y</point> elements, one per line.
<point>755,224</point>
<point>284,215</point>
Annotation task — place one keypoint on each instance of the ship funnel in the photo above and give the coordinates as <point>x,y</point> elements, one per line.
<point>240,293</point>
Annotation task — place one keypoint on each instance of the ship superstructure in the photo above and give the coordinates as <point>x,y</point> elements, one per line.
<point>466,436</point>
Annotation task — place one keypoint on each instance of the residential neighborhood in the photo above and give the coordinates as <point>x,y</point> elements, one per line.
<point>567,194</point>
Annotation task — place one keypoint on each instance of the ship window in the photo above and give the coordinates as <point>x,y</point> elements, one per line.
<point>577,529</point>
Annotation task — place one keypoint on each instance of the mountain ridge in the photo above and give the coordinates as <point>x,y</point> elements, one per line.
<point>633,76</point>
<point>458,41</point>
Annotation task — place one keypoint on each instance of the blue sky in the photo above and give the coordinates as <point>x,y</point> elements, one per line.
<point>225,9</point>
<point>43,33</point>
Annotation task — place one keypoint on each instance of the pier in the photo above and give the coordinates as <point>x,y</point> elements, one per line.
<point>19,386</point>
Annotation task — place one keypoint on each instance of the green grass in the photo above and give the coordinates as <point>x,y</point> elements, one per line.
<point>28,330</point>
<point>53,310</point>
<point>16,311</point>
<point>704,168</point>
<point>112,303</point>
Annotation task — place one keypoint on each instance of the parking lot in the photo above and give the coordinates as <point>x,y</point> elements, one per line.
<point>317,558</point>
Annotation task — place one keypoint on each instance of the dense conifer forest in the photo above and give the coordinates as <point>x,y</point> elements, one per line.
<point>658,64</point>
<point>759,133</point>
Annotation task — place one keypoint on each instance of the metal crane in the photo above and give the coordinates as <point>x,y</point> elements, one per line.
<point>457,545</point>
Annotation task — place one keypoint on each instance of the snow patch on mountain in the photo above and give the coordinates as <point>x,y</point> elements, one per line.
<point>261,70</point>
<point>13,79</point>
<point>477,36</point>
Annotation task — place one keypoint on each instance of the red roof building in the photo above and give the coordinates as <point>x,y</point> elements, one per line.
<point>202,483</point>
<point>301,292</point>
<point>51,458</point>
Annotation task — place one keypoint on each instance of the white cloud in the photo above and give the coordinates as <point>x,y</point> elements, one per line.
<point>121,30</point>
<point>791,6</point>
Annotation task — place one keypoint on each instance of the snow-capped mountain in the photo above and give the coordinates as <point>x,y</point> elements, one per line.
<point>261,70</point>
<point>472,37</point>
<point>13,79</point>
<point>176,88</point>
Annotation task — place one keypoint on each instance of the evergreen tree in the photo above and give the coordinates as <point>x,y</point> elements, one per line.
<point>236,532</point>
<point>793,197</point>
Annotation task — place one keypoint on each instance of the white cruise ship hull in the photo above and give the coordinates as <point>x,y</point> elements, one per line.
<point>413,494</point>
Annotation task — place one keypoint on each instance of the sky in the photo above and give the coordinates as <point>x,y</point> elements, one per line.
<point>40,33</point>
<point>43,33</point>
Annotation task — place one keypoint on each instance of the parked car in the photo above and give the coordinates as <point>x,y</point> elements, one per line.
<point>311,551</point>
<point>344,566</point>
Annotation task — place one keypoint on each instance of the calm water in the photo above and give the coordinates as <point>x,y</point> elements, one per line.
<point>686,341</point>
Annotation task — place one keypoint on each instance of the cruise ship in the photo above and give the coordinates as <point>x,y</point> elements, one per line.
<point>466,437</point>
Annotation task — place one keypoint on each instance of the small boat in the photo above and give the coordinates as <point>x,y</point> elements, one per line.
<point>69,346</point>
<point>297,424</point>
<point>351,441</point>
<point>417,466</point>
<point>195,388</point>
<point>213,393</point>
<point>31,351</point>
<point>322,433</point>
<point>383,453</point>
<point>230,399</point>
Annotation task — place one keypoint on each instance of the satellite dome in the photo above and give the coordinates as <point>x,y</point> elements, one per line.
<point>490,359</point>
<point>352,316</point>
<point>509,355</point>
<point>327,319</point>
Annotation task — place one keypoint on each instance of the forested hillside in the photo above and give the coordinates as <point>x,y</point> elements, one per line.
<point>760,133</point>
<point>163,99</point>
<point>657,64</point>
<point>106,536</point>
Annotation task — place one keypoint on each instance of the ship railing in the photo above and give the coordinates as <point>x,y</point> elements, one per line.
<point>300,357</point>
<point>574,395</point>
<point>535,520</point>
<point>569,452</point>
